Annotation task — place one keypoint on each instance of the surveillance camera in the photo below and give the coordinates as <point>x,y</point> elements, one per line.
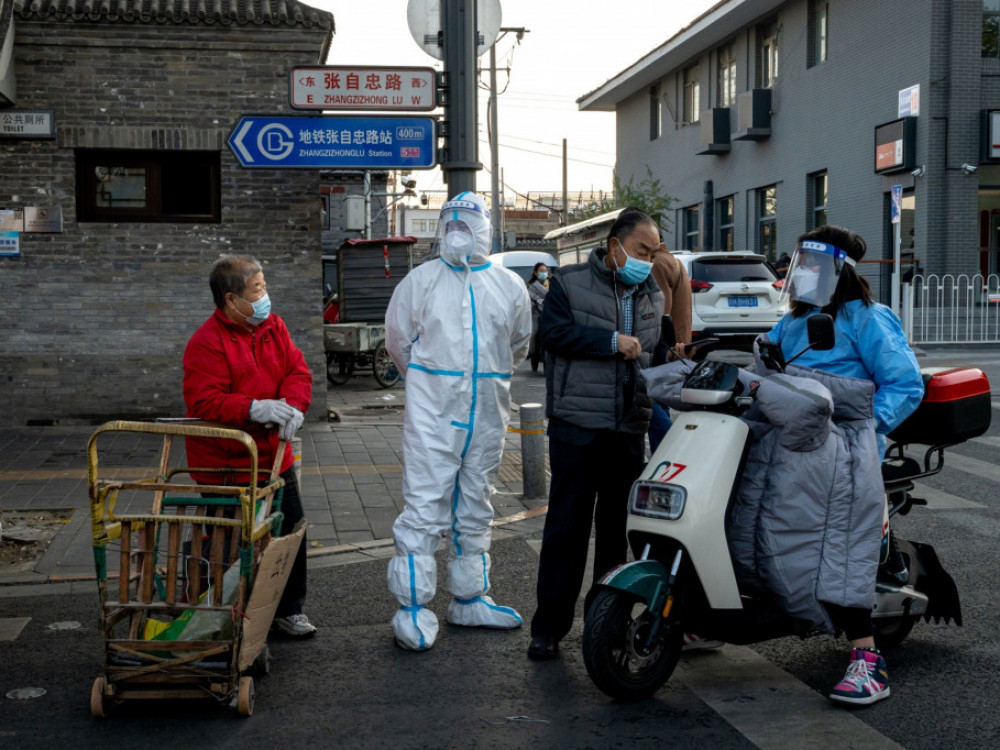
<point>919,171</point>
<point>969,168</point>
<point>408,182</point>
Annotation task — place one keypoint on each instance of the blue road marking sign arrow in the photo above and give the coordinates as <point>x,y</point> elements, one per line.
<point>335,142</point>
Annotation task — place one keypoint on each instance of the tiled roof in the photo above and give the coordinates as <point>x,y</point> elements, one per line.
<point>226,12</point>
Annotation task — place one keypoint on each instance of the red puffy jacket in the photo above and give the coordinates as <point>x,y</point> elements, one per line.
<point>226,367</point>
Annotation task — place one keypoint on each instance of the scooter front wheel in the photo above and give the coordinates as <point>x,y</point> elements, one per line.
<point>629,650</point>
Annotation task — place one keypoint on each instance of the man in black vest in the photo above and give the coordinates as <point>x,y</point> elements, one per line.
<point>600,323</point>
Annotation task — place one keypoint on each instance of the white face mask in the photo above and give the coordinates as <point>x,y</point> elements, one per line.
<point>460,245</point>
<point>805,281</point>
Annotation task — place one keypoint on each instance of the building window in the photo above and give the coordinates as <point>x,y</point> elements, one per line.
<point>692,94</point>
<point>767,222</point>
<point>768,54</point>
<point>727,76</point>
<point>817,199</point>
<point>325,224</point>
<point>727,223</point>
<point>424,225</point>
<point>991,28</point>
<point>819,11</point>
<point>177,186</point>
<point>692,229</point>
<point>655,113</point>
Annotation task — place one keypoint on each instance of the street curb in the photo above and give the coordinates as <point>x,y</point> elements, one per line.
<point>11,584</point>
<point>340,549</point>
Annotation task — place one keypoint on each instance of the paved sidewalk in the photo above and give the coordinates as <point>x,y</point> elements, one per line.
<point>351,480</point>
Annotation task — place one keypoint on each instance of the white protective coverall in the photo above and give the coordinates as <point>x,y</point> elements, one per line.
<point>456,328</point>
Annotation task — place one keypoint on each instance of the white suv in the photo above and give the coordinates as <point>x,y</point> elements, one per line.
<point>734,296</point>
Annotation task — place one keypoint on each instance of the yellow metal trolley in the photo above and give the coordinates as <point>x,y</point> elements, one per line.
<point>181,617</point>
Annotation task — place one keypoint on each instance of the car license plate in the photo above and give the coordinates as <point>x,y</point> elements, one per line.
<point>743,301</point>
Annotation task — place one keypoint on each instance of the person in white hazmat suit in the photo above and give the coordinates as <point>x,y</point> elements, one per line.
<point>456,328</point>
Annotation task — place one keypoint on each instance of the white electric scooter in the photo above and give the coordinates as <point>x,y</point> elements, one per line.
<point>684,580</point>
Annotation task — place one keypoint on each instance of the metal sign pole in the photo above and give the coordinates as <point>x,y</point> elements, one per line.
<point>896,200</point>
<point>460,164</point>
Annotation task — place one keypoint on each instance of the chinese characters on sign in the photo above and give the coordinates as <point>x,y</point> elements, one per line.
<point>24,124</point>
<point>909,101</point>
<point>10,245</point>
<point>371,88</point>
<point>365,142</point>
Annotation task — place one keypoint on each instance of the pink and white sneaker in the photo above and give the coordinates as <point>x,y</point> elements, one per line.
<point>866,681</point>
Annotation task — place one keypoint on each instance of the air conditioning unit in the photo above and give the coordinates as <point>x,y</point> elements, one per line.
<point>753,115</point>
<point>715,131</point>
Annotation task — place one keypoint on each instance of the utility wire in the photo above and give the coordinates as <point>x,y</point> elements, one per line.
<point>553,156</point>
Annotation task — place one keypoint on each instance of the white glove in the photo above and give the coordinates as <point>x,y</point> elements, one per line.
<point>271,410</point>
<point>292,425</point>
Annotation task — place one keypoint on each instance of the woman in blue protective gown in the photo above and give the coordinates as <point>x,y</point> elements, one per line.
<point>870,344</point>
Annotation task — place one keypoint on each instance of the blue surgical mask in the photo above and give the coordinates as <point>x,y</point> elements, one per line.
<point>634,271</point>
<point>261,309</point>
<point>543,275</point>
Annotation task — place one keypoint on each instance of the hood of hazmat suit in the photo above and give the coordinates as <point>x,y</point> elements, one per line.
<point>464,231</point>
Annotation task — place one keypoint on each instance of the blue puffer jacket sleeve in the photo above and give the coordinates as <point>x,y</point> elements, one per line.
<point>899,386</point>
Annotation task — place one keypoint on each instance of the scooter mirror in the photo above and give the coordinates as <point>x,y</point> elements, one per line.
<point>820,330</point>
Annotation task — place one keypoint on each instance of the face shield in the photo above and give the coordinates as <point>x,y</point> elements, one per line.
<point>464,231</point>
<point>813,273</point>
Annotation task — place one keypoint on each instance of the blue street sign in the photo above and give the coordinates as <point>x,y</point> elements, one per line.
<point>895,203</point>
<point>335,142</point>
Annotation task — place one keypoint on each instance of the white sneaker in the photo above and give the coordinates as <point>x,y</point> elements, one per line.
<point>482,612</point>
<point>295,625</point>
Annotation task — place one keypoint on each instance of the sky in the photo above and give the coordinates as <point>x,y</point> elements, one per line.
<point>570,49</point>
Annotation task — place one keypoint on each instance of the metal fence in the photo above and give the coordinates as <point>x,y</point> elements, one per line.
<point>951,309</point>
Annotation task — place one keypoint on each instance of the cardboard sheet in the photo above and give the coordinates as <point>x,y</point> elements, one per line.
<point>268,585</point>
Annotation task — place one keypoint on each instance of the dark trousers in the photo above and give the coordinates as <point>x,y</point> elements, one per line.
<point>590,485</point>
<point>856,622</point>
<point>295,590</point>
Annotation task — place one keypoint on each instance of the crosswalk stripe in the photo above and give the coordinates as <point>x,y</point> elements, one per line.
<point>974,466</point>
<point>771,708</point>
<point>940,500</point>
<point>11,627</point>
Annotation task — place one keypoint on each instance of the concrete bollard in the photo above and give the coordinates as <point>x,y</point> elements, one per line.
<point>297,455</point>
<point>533,450</point>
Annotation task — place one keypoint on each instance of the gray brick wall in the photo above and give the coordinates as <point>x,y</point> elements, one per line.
<point>95,319</point>
<point>823,118</point>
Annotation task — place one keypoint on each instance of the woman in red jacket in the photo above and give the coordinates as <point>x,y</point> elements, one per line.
<point>242,369</point>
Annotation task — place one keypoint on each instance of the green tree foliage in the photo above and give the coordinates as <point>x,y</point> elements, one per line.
<point>646,194</point>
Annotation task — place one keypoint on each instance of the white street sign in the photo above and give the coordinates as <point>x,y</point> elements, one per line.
<point>347,87</point>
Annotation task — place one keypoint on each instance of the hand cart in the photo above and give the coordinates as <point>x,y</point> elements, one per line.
<point>184,619</point>
<point>351,346</point>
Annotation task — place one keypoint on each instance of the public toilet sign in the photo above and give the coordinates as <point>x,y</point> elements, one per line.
<point>24,123</point>
<point>335,142</point>
<point>340,87</point>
